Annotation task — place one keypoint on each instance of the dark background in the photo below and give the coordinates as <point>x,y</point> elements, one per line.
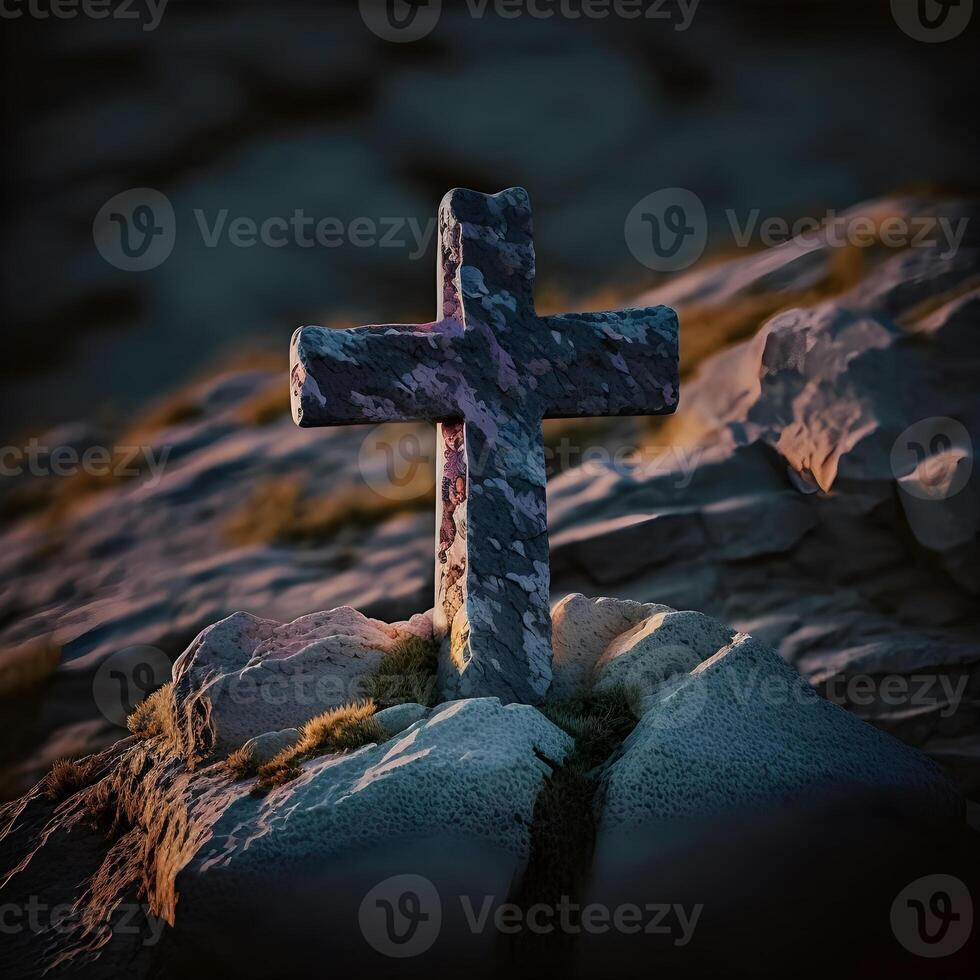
<point>264,108</point>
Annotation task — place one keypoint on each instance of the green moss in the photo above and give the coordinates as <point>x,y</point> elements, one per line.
<point>406,674</point>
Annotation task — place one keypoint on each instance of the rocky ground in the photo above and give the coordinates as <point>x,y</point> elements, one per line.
<point>786,499</point>
<point>238,801</point>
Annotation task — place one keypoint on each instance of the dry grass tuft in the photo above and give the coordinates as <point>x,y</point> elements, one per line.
<point>68,776</point>
<point>155,715</point>
<point>241,763</point>
<point>597,720</point>
<point>277,512</point>
<point>339,730</point>
<point>407,673</point>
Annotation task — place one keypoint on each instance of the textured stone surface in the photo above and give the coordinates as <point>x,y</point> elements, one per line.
<point>244,676</point>
<point>267,746</point>
<point>743,729</point>
<point>489,370</point>
<point>656,651</point>
<point>452,799</point>
<point>582,629</point>
<point>733,735</point>
<point>400,716</point>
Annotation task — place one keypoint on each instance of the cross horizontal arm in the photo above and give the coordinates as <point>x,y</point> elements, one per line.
<point>623,363</point>
<point>389,373</point>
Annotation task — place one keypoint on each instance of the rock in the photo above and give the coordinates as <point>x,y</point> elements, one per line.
<point>267,746</point>
<point>245,676</point>
<point>582,630</point>
<point>400,716</point>
<point>742,730</point>
<point>818,481</point>
<point>450,802</point>
<point>657,650</point>
<point>455,805</point>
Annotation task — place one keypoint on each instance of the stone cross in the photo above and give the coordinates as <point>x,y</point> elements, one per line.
<point>487,371</point>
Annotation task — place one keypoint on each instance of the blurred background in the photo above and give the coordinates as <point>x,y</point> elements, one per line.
<point>259,110</point>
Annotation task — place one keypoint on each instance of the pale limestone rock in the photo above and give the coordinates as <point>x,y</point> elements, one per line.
<point>400,716</point>
<point>245,676</point>
<point>268,745</point>
<point>582,629</point>
<point>451,799</point>
<point>657,650</point>
<point>743,729</point>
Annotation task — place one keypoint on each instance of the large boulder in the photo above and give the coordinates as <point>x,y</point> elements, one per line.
<point>740,729</point>
<point>444,810</point>
<point>724,721</point>
<point>244,676</point>
<point>425,845</point>
<point>399,716</point>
